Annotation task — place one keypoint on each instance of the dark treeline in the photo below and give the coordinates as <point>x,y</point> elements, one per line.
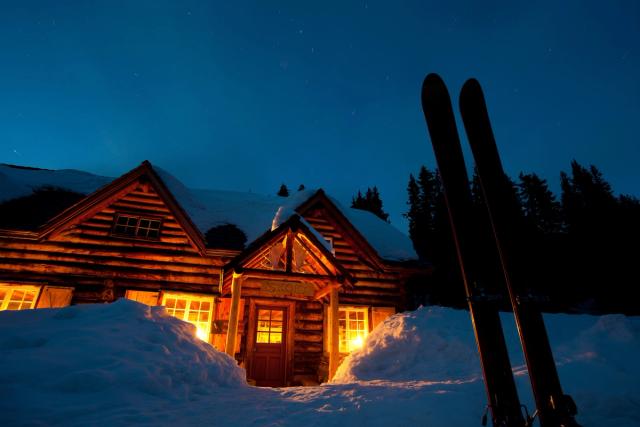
<point>371,202</point>
<point>578,251</point>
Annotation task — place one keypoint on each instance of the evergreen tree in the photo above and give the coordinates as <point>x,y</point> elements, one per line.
<point>428,198</point>
<point>413,214</point>
<point>370,202</point>
<point>283,191</point>
<point>595,238</point>
<point>540,207</point>
<point>358,202</point>
<point>301,187</point>
<point>432,239</point>
<point>587,199</point>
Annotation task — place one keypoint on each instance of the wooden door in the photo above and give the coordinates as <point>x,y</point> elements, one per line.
<point>268,364</point>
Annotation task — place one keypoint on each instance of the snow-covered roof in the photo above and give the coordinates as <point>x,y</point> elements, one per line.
<point>252,213</point>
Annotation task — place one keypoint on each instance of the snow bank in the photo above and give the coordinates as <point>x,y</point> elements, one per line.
<point>596,358</point>
<point>430,344</point>
<point>126,364</point>
<point>95,356</point>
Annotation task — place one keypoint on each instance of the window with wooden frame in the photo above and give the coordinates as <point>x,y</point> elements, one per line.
<point>127,225</point>
<point>353,327</point>
<point>192,308</point>
<point>18,297</point>
<point>269,330</point>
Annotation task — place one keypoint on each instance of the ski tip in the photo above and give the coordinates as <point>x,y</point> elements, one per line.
<point>471,84</point>
<point>470,88</point>
<point>432,78</point>
<point>433,87</point>
<point>431,81</point>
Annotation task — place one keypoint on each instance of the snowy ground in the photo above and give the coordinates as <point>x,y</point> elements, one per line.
<point>125,363</point>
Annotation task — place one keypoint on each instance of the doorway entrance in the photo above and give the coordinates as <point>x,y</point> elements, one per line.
<point>269,357</point>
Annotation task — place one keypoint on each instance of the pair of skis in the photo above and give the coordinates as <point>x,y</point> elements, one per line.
<point>554,408</point>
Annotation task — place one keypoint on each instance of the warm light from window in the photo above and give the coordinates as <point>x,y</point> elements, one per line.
<point>203,334</point>
<point>356,343</point>
<point>195,309</point>
<point>19,297</point>
<point>270,324</point>
<point>353,328</point>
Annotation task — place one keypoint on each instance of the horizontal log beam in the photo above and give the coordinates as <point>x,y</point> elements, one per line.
<point>148,263</point>
<point>111,272</point>
<point>131,252</point>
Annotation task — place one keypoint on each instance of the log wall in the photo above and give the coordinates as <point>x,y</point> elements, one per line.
<point>102,266</point>
<point>375,285</point>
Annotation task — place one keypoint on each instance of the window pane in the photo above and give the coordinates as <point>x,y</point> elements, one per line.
<point>275,338</point>
<point>263,325</point>
<point>276,326</point>
<point>181,304</point>
<point>264,314</point>
<point>277,315</point>
<point>262,337</point>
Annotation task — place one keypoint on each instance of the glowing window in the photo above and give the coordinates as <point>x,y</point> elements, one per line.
<point>18,297</point>
<point>353,329</point>
<point>269,330</point>
<point>135,226</point>
<point>195,309</point>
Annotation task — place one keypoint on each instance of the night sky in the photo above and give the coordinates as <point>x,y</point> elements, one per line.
<point>247,95</point>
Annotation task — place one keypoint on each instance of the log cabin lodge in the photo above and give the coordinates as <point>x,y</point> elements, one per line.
<point>287,286</point>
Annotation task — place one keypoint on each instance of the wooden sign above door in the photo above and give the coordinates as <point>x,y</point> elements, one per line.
<point>279,288</point>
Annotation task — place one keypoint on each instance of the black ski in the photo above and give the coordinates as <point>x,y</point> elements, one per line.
<point>498,377</point>
<point>553,407</point>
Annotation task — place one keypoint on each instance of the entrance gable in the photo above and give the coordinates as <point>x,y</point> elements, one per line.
<point>292,251</point>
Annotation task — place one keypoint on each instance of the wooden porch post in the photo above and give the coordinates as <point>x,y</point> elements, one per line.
<point>232,329</point>
<point>334,351</point>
